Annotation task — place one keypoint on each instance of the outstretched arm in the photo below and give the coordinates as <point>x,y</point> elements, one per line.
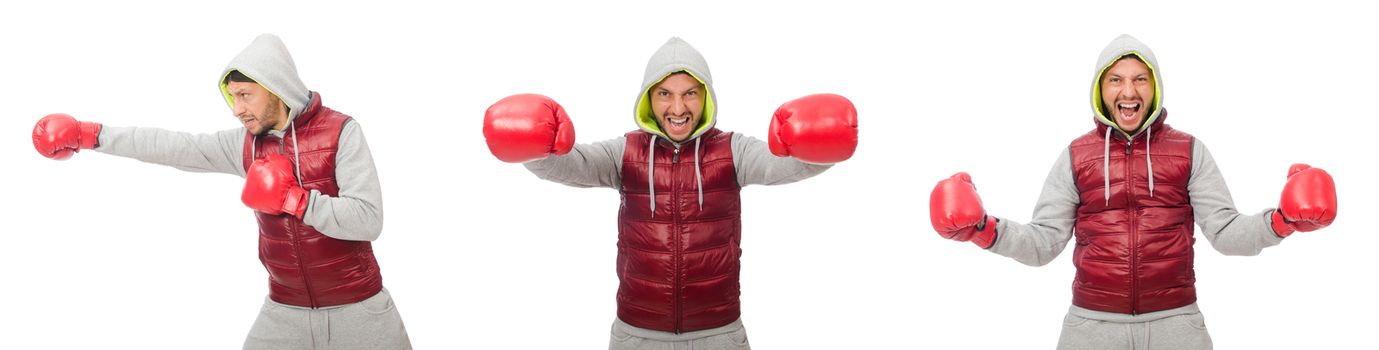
<point>534,130</point>
<point>757,166</point>
<point>220,152</point>
<point>807,135</point>
<point>59,136</point>
<point>1229,231</point>
<point>587,165</point>
<point>1048,232</point>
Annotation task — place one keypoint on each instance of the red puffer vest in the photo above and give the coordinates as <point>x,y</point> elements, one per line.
<point>678,269</point>
<point>1134,249</point>
<point>307,268</point>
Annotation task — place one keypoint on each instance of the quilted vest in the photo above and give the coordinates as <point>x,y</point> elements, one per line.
<point>305,267</point>
<point>678,263</point>
<point>1134,249</point>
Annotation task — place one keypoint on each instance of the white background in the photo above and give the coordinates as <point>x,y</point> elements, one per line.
<point>105,252</point>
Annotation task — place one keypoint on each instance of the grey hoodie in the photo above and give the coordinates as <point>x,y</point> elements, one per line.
<point>600,164</point>
<point>1048,232</point>
<point>356,214</point>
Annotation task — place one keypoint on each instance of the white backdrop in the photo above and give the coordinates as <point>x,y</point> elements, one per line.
<point>105,252</point>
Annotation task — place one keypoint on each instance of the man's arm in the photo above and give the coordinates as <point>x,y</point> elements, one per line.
<point>757,166</point>
<point>1229,231</point>
<point>587,165</point>
<point>1037,243</point>
<point>356,213</point>
<point>220,152</point>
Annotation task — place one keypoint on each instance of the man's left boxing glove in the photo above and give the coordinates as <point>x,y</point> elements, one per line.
<point>270,187</point>
<point>819,129</point>
<point>1308,202</point>
<point>58,136</point>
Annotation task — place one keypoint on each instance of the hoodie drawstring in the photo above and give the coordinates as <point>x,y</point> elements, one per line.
<point>1106,167</point>
<point>1149,134</point>
<point>1106,163</point>
<point>699,180</point>
<point>296,155</point>
<point>651,173</point>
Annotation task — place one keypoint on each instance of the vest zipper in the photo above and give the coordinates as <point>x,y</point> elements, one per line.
<point>296,240</point>
<point>1132,208</point>
<point>675,225</point>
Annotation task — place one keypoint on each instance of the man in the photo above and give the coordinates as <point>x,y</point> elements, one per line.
<point>310,179</point>
<point>1129,191</point>
<point>679,178</point>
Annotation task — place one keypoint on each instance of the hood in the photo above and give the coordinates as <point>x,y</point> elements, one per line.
<point>675,56</point>
<point>1126,45</point>
<point>267,61</point>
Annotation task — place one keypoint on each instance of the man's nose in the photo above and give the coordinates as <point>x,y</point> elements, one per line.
<point>1128,93</point>
<point>677,106</point>
<point>238,108</point>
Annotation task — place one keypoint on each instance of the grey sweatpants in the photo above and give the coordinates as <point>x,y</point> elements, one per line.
<point>370,324</point>
<point>1177,329</point>
<point>730,337</point>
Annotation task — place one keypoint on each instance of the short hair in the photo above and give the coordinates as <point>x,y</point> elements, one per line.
<point>237,77</point>
<point>1134,55</point>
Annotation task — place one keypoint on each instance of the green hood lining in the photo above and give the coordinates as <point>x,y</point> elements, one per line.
<point>646,118</point>
<point>1100,109</point>
<point>230,100</point>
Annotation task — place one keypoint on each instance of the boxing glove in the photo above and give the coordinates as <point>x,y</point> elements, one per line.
<point>957,214</point>
<point>819,129</point>
<point>1308,202</point>
<point>525,127</point>
<point>270,187</point>
<point>58,136</point>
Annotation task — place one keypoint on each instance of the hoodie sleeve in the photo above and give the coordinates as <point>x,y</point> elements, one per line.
<point>220,152</point>
<point>1037,243</point>
<point>587,165</point>
<point>356,214</point>
<point>757,166</point>
<point>1229,231</point>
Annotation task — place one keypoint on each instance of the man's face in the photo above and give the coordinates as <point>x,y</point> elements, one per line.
<point>678,101</point>
<point>1127,89</point>
<point>257,108</point>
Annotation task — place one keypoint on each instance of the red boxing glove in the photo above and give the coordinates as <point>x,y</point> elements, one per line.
<point>527,127</point>
<point>819,129</point>
<point>957,214</point>
<point>270,187</point>
<point>1308,202</point>
<point>58,136</point>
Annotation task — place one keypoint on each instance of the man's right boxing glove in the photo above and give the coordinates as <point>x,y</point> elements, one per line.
<point>1308,202</point>
<point>527,127</point>
<point>58,136</point>
<point>271,187</point>
<point>957,213</point>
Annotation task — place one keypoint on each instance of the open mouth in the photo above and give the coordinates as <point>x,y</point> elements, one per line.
<point>1128,111</point>
<point>677,124</point>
